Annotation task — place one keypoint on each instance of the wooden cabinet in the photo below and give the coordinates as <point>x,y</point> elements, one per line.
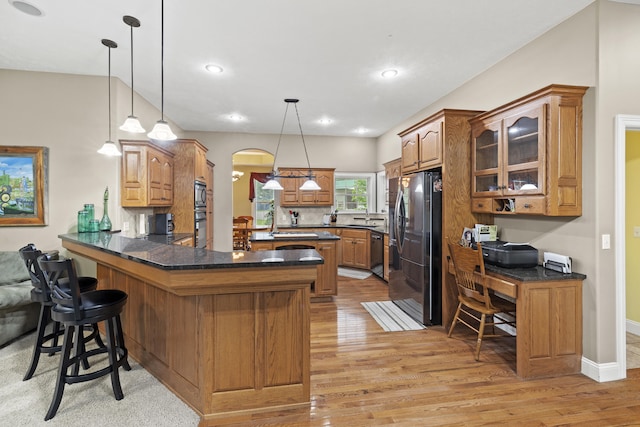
<point>527,155</point>
<point>326,283</point>
<point>393,169</point>
<point>291,195</point>
<point>422,147</point>
<point>450,129</point>
<point>356,248</point>
<point>210,167</point>
<point>200,164</point>
<point>146,175</point>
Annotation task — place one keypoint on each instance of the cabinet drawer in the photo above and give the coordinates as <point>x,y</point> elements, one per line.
<point>530,205</point>
<point>357,234</point>
<point>482,205</point>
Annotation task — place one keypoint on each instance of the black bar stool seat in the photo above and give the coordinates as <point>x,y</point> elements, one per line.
<point>74,310</point>
<point>48,343</point>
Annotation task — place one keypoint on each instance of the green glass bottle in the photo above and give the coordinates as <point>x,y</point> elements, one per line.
<point>105,222</point>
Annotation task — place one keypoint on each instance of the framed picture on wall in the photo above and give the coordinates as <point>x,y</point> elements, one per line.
<point>23,185</point>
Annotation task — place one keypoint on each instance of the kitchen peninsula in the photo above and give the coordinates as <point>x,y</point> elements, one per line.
<point>226,331</point>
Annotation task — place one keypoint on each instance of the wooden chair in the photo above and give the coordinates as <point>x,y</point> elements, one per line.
<point>474,298</point>
<point>240,234</point>
<point>249,219</point>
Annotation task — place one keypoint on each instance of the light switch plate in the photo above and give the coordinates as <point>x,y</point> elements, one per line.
<point>606,241</point>
<point>125,227</point>
<point>636,231</point>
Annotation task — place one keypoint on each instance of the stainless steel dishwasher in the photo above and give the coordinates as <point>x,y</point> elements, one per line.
<point>377,254</point>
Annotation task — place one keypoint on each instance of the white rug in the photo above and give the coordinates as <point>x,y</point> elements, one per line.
<point>390,317</point>
<point>353,273</point>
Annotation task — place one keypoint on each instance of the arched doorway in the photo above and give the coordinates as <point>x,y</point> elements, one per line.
<point>245,162</point>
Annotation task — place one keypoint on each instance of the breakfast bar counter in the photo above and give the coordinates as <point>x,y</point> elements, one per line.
<point>227,332</point>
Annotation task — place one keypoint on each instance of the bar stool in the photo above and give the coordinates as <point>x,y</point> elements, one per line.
<point>48,343</point>
<point>74,310</point>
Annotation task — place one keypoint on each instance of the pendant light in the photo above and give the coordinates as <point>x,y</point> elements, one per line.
<point>132,124</point>
<point>161,131</point>
<point>309,184</point>
<point>109,148</point>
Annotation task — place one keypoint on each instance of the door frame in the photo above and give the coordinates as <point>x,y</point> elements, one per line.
<point>623,123</point>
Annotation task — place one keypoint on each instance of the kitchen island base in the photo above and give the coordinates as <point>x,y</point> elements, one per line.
<point>225,340</point>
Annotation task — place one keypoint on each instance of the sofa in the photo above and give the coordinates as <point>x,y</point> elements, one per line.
<point>18,314</point>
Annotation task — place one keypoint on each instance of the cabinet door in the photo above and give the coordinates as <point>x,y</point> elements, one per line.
<point>361,253</point>
<point>200,165</point>
<point>410,153</point>
<point>289,196</point>
<point>486,158</point>
<point>348,252</point>
<point>524,152</point>
<point>133,185</point>
<point>160,168</point>
<point>430,143</point>
<point>324,197</point>
<point>326,284</point>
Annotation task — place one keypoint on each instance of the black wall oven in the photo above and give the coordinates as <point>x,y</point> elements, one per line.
<point>200,195</point>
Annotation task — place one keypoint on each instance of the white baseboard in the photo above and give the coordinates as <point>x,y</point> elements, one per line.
<point>633,327</point>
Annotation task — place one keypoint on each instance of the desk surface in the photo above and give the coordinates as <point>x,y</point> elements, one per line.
<point>532,274</point>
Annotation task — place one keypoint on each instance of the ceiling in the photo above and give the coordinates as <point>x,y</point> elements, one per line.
<point>327,53</point>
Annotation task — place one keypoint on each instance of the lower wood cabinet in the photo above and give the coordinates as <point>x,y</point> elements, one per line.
<point>187,241</point>
<point>356,249</point>
<point>327,282</point>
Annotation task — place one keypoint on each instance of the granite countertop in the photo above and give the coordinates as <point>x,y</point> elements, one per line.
<point>176,257</point>
<point>378,228</point>
<point>166,239</point>
<point>533,274</point>
<point>291,235</point>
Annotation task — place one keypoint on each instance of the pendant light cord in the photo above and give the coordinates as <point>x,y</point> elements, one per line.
<point>109,93</point>
<point>302,136</point>
<point>131,26</point>
<point>162,60</point>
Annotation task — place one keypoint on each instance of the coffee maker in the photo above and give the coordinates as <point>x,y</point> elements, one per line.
<point>161,224</point>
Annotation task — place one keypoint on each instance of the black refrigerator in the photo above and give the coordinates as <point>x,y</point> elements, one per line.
<point>415,242</point>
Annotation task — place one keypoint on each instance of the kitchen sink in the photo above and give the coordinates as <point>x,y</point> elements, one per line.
<point>363,225</point>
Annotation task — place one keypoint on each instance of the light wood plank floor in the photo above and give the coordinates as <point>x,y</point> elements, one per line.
<point>363,376</point>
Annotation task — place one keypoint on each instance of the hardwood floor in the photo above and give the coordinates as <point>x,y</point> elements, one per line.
<point>363,376</point>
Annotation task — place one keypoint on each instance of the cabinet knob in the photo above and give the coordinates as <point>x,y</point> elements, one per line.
<point>480,205</point>
<point>527,205</point>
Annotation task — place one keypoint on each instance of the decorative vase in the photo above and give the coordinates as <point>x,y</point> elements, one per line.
<point>105,222</point>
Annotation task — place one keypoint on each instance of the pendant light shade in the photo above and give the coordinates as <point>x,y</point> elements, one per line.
<point>309,184</point>
<point>161,131</point>
<point>132,124</point>
<point>109,148</point>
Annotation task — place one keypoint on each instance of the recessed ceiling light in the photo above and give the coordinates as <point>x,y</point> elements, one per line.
<point>362,130</point>
<point>236,117</point>
<point>25,7</point>
<point>389,74</point>
<point>212,68</point>
<point>324,121</point>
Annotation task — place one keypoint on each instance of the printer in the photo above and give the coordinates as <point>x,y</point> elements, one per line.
<point>509,255</point>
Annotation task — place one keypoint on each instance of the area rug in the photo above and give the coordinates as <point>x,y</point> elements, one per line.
<point>390,317</point>
<point>352,273</point>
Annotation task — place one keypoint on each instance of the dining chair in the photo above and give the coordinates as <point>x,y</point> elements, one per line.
<point>475,300</point>
<point>240,234</point>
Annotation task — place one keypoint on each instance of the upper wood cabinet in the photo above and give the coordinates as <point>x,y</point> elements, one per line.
<point>393,169</point>
<point>146,175</point>
<point>527,155</point>
<point>200,167</point>
<point>291,195</point>
<point>422,146</point>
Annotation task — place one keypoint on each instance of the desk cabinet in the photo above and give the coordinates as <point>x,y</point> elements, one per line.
<point>527,155</point>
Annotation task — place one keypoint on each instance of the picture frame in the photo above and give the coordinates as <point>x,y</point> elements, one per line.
<point>23,185</point>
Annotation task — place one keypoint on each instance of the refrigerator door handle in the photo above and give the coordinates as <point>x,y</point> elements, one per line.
<point>399,212</point>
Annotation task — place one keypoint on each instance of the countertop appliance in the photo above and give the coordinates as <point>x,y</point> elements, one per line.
<point>161,224</point>
<point>415,241</point>
<point>509,255</point>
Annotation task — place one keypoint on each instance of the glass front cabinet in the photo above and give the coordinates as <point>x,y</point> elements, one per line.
<point>527,155</point>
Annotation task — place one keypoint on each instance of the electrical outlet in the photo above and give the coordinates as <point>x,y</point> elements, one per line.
<point>606,241</point>
<point>125,227</point>
<point>636,231</point>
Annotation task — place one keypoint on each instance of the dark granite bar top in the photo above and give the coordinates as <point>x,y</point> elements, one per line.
<point>176,257</point>
<point>291,235</point>
<point>533,274</point>
<point>166,239</point>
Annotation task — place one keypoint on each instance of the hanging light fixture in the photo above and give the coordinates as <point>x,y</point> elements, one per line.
<point>273,183</point>
<point>132,124</point>
<point>109,148</point>
<point>236,175</point>
<point>161,131</point>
